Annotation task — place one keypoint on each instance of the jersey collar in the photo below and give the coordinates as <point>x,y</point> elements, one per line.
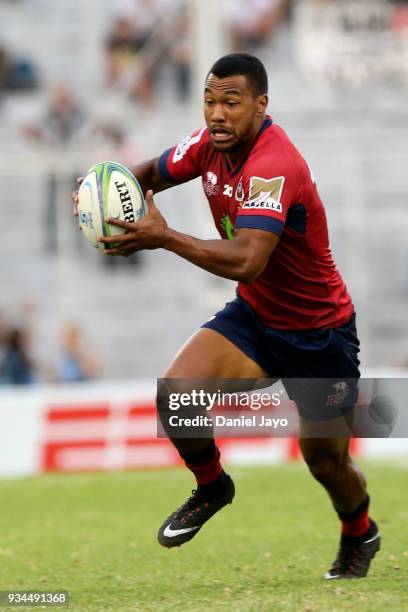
<point>267,122</point>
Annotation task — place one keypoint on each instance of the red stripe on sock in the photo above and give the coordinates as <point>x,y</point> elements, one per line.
<point>358,526</point>
<point>207,472</point>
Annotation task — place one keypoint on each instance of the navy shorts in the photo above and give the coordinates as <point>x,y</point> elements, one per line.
<point>319,368</point>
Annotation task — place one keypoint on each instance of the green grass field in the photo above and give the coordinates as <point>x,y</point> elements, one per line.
<point>95,536</point>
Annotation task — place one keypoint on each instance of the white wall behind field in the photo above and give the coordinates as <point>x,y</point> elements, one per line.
<point>113,426</point>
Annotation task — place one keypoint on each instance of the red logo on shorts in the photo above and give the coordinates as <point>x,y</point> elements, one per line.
<point>342,390</point>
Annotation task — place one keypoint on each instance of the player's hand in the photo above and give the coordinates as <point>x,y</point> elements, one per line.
<point>74,197</point>
<point>148,233</point>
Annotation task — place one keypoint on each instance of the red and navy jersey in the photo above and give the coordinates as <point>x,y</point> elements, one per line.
<point>272,189</point>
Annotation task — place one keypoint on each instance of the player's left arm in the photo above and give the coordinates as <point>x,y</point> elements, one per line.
<point>241,259</point>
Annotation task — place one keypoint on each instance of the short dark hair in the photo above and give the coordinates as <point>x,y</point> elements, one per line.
<point>249,66</point>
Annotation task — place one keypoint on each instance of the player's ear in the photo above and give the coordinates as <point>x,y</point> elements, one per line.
<point>261,104</point>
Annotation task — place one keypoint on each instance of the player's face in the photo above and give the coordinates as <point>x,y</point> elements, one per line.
<point>232,113</point>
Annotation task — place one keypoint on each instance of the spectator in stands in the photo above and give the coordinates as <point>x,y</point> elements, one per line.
<point>17,366</point>
<point>117,145</point>
<point>180,55</point>
<point>16,73</point>
<point>62,120</point>
<point>4,66</point>
<point>127,67</point>
<point>62,125</point>
<point>3,335</point>
<point>252,23</point>
<point>399,18</point>
<point>75,363</point>
<point>122,50</point>
<point>144,33</point>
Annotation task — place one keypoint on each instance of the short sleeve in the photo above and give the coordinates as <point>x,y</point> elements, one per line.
<point>183,162</point>
<point>271,187</point>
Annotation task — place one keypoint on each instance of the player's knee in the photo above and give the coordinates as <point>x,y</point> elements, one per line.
<point>325,469</point>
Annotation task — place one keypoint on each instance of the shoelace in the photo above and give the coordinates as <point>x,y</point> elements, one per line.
<point>191,505</point>
<point>191,502</point>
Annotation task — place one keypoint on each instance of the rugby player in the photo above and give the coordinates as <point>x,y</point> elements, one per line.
<point>292,318</point>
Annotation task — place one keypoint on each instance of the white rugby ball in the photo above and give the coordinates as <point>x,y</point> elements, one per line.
<point>108,190</point>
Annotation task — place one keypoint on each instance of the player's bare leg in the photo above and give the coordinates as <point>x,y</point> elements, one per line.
<point>330,463</point>
<point>207,355</point>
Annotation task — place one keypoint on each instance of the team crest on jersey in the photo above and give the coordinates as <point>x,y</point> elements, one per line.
<point>265,194</point>
<point>185,144</point>
<point>210,185</point>
<point>341,392</point>
<point>239,193</point>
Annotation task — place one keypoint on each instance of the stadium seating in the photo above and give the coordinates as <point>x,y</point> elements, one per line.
<point>355,143</point>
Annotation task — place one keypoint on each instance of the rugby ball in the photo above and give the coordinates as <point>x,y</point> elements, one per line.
<point>108,190</point>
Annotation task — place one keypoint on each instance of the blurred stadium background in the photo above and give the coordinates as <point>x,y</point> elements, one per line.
<point>88,80</point>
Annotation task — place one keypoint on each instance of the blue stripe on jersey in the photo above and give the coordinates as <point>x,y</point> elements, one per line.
<point>267,123</point>
<point>270,224</point>
<point>163,166</point>
<point>297,218</point>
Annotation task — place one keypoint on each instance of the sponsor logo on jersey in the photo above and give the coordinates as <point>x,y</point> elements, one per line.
<point>265,203</point>
<point>239,194</point>
<point>185,144</point>
<point>210,184</point>
<point>265,193</point>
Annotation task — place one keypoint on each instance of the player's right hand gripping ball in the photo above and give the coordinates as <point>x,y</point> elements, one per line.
<point>108,190</point>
